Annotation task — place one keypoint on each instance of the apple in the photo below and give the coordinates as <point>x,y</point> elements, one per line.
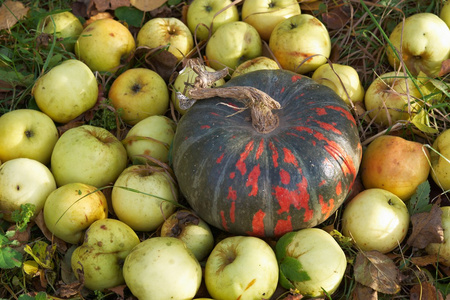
<point>88,154</point>
<point>395,164</point>
<point>442,250</point>
<point>106,244</point>
<point>342,79</point>
<point>162,268</point>
<point>139,93</point>
<point>192,230</point>
<point>257,63</point>
<point>64,25</point>
<point>445,13</point>
<point>150,137</point>
<point>375,219</point>
<point>232,44</point>
<point>170,32</point>
<point>27,133</point>
<point>440,160</point>
<point>241,267</point>
<point>104,44</point>
<point>392,97</point>
<point>204,16</point>
<point>144,196</point>
<point>264,15</point>
<point>310,261</point>
<point>423,41</point>
<point>66,91</point>
<point>300,43</point>
<point>72,208</point>
<point>22,181</point>
<point>183,81</point>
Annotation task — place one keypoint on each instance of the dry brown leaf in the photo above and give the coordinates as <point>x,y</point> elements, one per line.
<point>104,5</point>
<point>337,17</point>
<point>39,220</point>
<point>146,5</point>
<point>11,12</point>
<point>377,271</point>
<point>425,290</point>
<point>362,292</point>
<point>445,68</point>
<point>426,228</point>
<point>310,5</point>
<point>159,60</point>
<point>422,261</point>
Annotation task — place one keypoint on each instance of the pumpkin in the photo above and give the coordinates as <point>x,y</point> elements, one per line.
<point>266,169</point>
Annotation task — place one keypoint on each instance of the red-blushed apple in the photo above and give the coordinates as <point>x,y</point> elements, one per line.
<point>232,44</point>
<point>104,44</point>
<point>442,250</point>
<point>88,154</point>
<point>376,219</point>
<point>66,91</point>
<point>423,41</point>
<point>22,181</point>
<point>204,16</point>
<point>310,261</point>
<point>264,15</point>
<point>445,13</point>
<point>106,244</point>
<point>27,133</point>
<point>64,25</point>
<point>395,164</point>
<point>170,32</point>
<point>72,208</point>
<point>139,93</point>
<point>440,160</point>
<point>257,63</point>
<point>144,196</point>
<point>161,268</point>
<point>241,267</point>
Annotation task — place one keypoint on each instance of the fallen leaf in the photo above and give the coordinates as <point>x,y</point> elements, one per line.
<point>422,261</point>
<point>104,5</point>
<point>362,292</point>
<point>425,290</point>
<point>159,60</point>
<point>146,5</point>
<point>39,220</point>
<point>377,271</point>
<point>426,228</point>
<point>11,12</point>
<point>337,17</point>
<point>445,68</point>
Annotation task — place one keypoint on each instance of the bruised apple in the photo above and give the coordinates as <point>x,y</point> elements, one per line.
<point>257,63</point>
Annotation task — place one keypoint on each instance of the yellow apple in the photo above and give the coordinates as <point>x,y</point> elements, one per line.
<point>72,208</point>
<point>170,32</point>
<point>232,44</point>
<point>300,43</point>
<point>442,250</point>
<point>27,133</point>
<point>64,25</point>
<point>342,79</point>
<point>392,97</point>
<point>376,219</point>
<point>204,16</point>
<point>104,44</point>
<point>445,13</point>
<point>264,15</point>
<point>440,160</point>
<point>139,93</point>
<point>424,42</point>
<point>257,63</point>
<point>66,91</point>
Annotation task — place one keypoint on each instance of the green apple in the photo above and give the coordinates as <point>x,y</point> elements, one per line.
<point>311,261</point>
<point>423,41</point>
<point>300,43</point>
<point>106,244</point>
<point>445,13</point>
<point>204,16</point>
<point>168,32</point>
<point>104,44</point>
<point>257,63</point>
<point>442,250</point>
<point>440,160</point>
<point>66,91</point>
<point>64,25</point>
<point>162,268</point>
<point>232,44</point>
<point>88,154</point>
<point>22,181</point>
<point>183,81</point>
<point>376,219</point>
<point>264,15</point>
<point>27,133</point>
<point>143,197</point>
<point>395,164</point>
<point>192,230</point>
<point>139,93</point>
<point>72,208</point>
<point>342,79</point>
<point>392,97</point>
<point>150,137</point>
<point>241,267</point>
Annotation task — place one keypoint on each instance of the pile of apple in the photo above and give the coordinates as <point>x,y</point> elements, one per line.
<point>65,176</point>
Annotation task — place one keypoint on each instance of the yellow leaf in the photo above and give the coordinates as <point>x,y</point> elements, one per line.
<point>30,267</point>
<point>11,12</point>
<point>42,254</point>
<point>421,121</point>
<point>146,5</point>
